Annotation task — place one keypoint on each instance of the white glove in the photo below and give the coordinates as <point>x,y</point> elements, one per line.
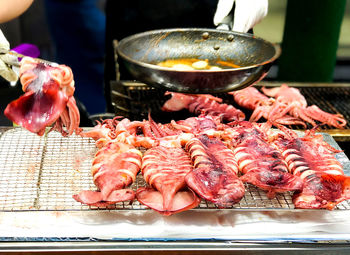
<point>247,14</point>
<point>5,70</point>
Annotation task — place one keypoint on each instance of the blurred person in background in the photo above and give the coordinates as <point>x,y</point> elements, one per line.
<point>77,28</point>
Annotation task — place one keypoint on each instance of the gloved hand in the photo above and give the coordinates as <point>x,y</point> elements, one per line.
<point>247,14</point>
<point>6,70</point>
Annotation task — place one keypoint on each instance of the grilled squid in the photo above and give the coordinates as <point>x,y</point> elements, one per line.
<point>164,169</point>
<point>294,103</point>
<point>259,161</point>
<point>312,159</point>
<point>114,168</point>
<point>48,99</point>
<point>264,107</point>
<point>202,104</point>
<point>214,176</point>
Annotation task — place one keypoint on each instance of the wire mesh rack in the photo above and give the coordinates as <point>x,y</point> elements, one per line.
<point>42,173</point>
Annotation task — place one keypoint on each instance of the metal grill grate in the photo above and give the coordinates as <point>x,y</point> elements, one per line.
<point>42,174</point>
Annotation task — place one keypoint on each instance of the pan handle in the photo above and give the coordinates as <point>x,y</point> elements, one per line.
<point>228,27</point>
<point>226,23</point>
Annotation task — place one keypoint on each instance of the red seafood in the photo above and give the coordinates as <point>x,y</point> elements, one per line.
<point>214,176</point>
<point>202,104</point>
<point>103,132</point>
<point>250,98</point>
<point>48,99</point>
<point>198,125</point>
<point>259,161</point>
<point>287,95</point>
<point>335,120</point>
<point>164,169</point>
<point>157,130</point>
<point>179,101</point>
<point>114,167</point>
<point>263,106</point>
<point>130,132</point>
<point>292,99</point>
<point>296,105</point>
<point>311,158</point>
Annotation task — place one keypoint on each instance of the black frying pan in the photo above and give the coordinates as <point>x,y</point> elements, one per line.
<point>141,52</point>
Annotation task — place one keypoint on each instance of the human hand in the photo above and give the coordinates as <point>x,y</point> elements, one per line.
<point>6,70</point>
<point>247,14</point>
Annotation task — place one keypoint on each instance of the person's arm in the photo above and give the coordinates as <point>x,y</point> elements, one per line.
<point>10,9</point>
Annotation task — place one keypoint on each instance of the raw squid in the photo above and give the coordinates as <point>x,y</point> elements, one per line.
<point>294,103</point>
<point>214,176</point>
<point>309,157</point>
<point>130,132</point>
<point>259,161</point>
<point>114,167</point>
<point>208,166</point>
<point>164,169</point>
<point>202,104</point>
<point>264,107</point>
<point>48,99</point>
<point>198,125</point>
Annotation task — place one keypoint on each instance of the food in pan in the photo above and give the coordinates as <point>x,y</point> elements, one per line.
<point>114,168</point>
<point>312,159</point>
<point>202,104</point>
<point>48,99</point>
<point>259,162</point>
<point>188,64</point>
<point>214,176</point>
<point>164,169</point>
